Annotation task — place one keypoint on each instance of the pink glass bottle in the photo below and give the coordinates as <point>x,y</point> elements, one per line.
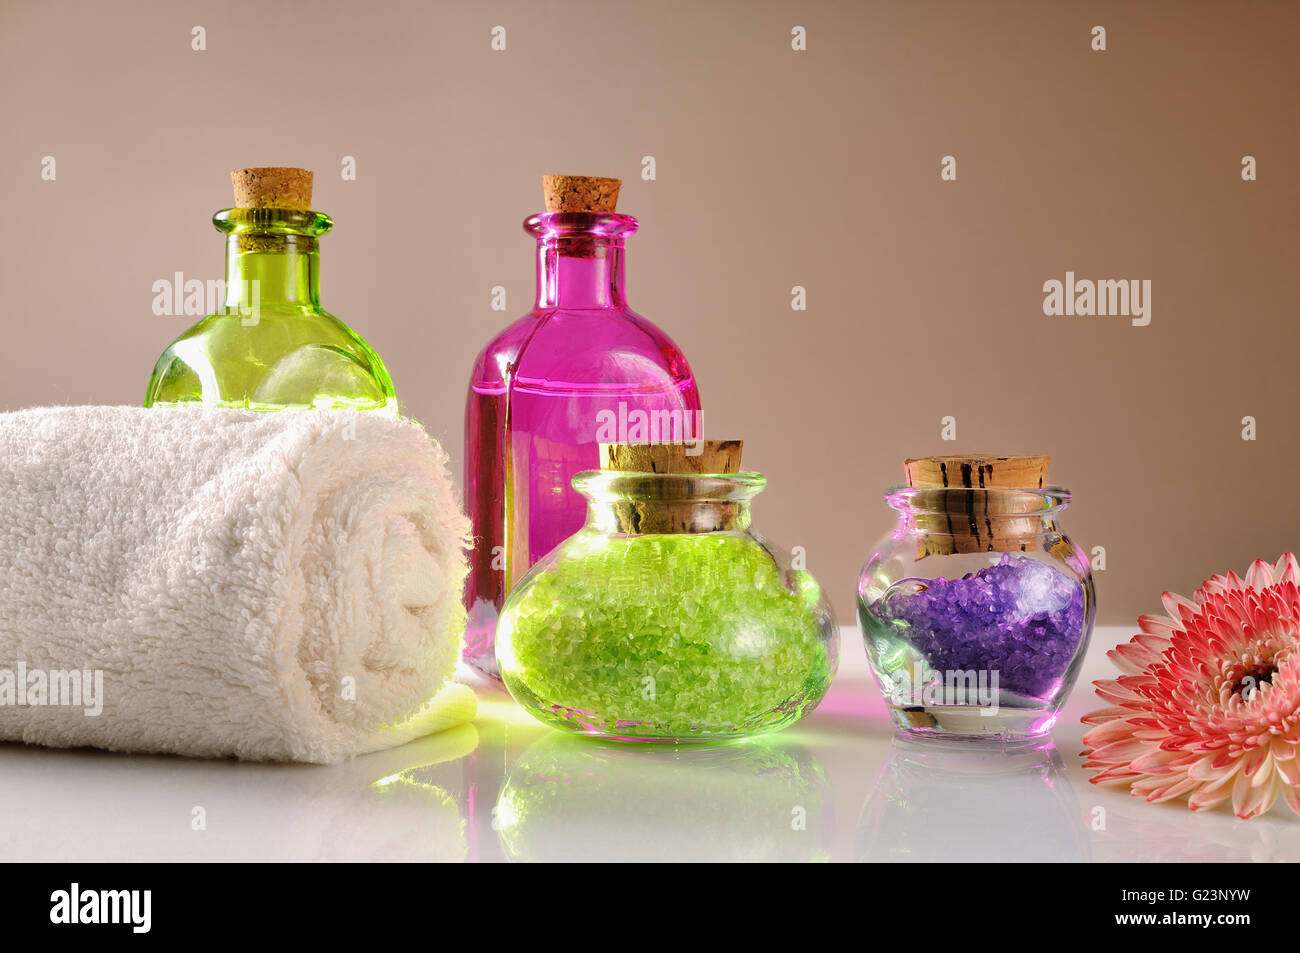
<point>580,369</point>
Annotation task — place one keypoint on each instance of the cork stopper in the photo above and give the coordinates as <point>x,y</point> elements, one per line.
<point>716,456</point>
<point>272,187</point>
<point>977,522</point>
<point>978,470</point>
<point>580,193</point>
<point>664,503</point>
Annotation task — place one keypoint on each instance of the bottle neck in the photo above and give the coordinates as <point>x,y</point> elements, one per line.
<point>580,258</point>
<point>264,270</point>
<point>580,273</point>
<point>272,257</point>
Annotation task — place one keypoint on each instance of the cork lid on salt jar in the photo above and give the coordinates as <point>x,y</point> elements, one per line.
<point>961,518</point>
<point>711,456</point>
<point>678,487</point>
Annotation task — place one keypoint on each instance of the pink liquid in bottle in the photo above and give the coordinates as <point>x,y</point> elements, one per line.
<point>580,369</point>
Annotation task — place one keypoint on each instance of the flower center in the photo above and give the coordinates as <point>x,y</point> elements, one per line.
<point>1248,681</point>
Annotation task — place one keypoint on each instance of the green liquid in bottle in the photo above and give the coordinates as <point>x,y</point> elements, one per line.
<point>273,347</point>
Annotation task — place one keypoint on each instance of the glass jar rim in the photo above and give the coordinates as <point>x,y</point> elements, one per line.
<point>550,226</point>
<point>612,486</point>
<point>991,501</point>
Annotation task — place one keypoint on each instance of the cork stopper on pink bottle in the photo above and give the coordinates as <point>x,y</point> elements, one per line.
<point>580,193</point>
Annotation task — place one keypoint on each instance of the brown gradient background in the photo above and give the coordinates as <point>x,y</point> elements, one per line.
<point>775,168</point>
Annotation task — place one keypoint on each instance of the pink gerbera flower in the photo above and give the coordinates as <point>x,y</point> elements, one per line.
<point>1208,705</point>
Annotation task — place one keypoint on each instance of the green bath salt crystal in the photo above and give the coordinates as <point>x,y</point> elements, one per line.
<point>667,636</point>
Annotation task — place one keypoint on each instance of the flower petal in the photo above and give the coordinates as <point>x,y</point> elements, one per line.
<point>1178,606</point>
<point>1176,723</point>
<point>1288,771</point>
<point>1170,791</point>
<point>1257,800</point>
<point>1132,658</point>
<point>1259,575</point>
<point>1205,770</point>
<point>1103,715</point>
<point>1157,625</point>
<point>1122,751</point>
<point>1292,798</point>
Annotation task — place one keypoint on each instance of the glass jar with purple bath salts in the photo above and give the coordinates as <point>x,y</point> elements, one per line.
<point>976,609</point>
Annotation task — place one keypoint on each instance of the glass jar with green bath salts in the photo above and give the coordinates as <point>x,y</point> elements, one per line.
<point>666,618</point>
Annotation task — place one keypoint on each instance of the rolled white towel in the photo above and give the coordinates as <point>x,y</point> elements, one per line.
<point>272,586</point>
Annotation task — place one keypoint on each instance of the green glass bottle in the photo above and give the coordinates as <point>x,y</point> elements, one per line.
<point>272,347</point>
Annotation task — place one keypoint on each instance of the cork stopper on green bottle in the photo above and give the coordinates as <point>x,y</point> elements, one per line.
<point>272,187</point>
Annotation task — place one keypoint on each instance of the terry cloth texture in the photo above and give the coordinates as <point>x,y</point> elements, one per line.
<point>269,586</point>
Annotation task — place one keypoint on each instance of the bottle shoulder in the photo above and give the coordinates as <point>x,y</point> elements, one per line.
<point>501,354</point>
<point>597,345</point>
<point>276,357</point>
<point>270,333</point>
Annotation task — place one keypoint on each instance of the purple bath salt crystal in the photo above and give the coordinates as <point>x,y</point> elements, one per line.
<point>1020,618</point>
